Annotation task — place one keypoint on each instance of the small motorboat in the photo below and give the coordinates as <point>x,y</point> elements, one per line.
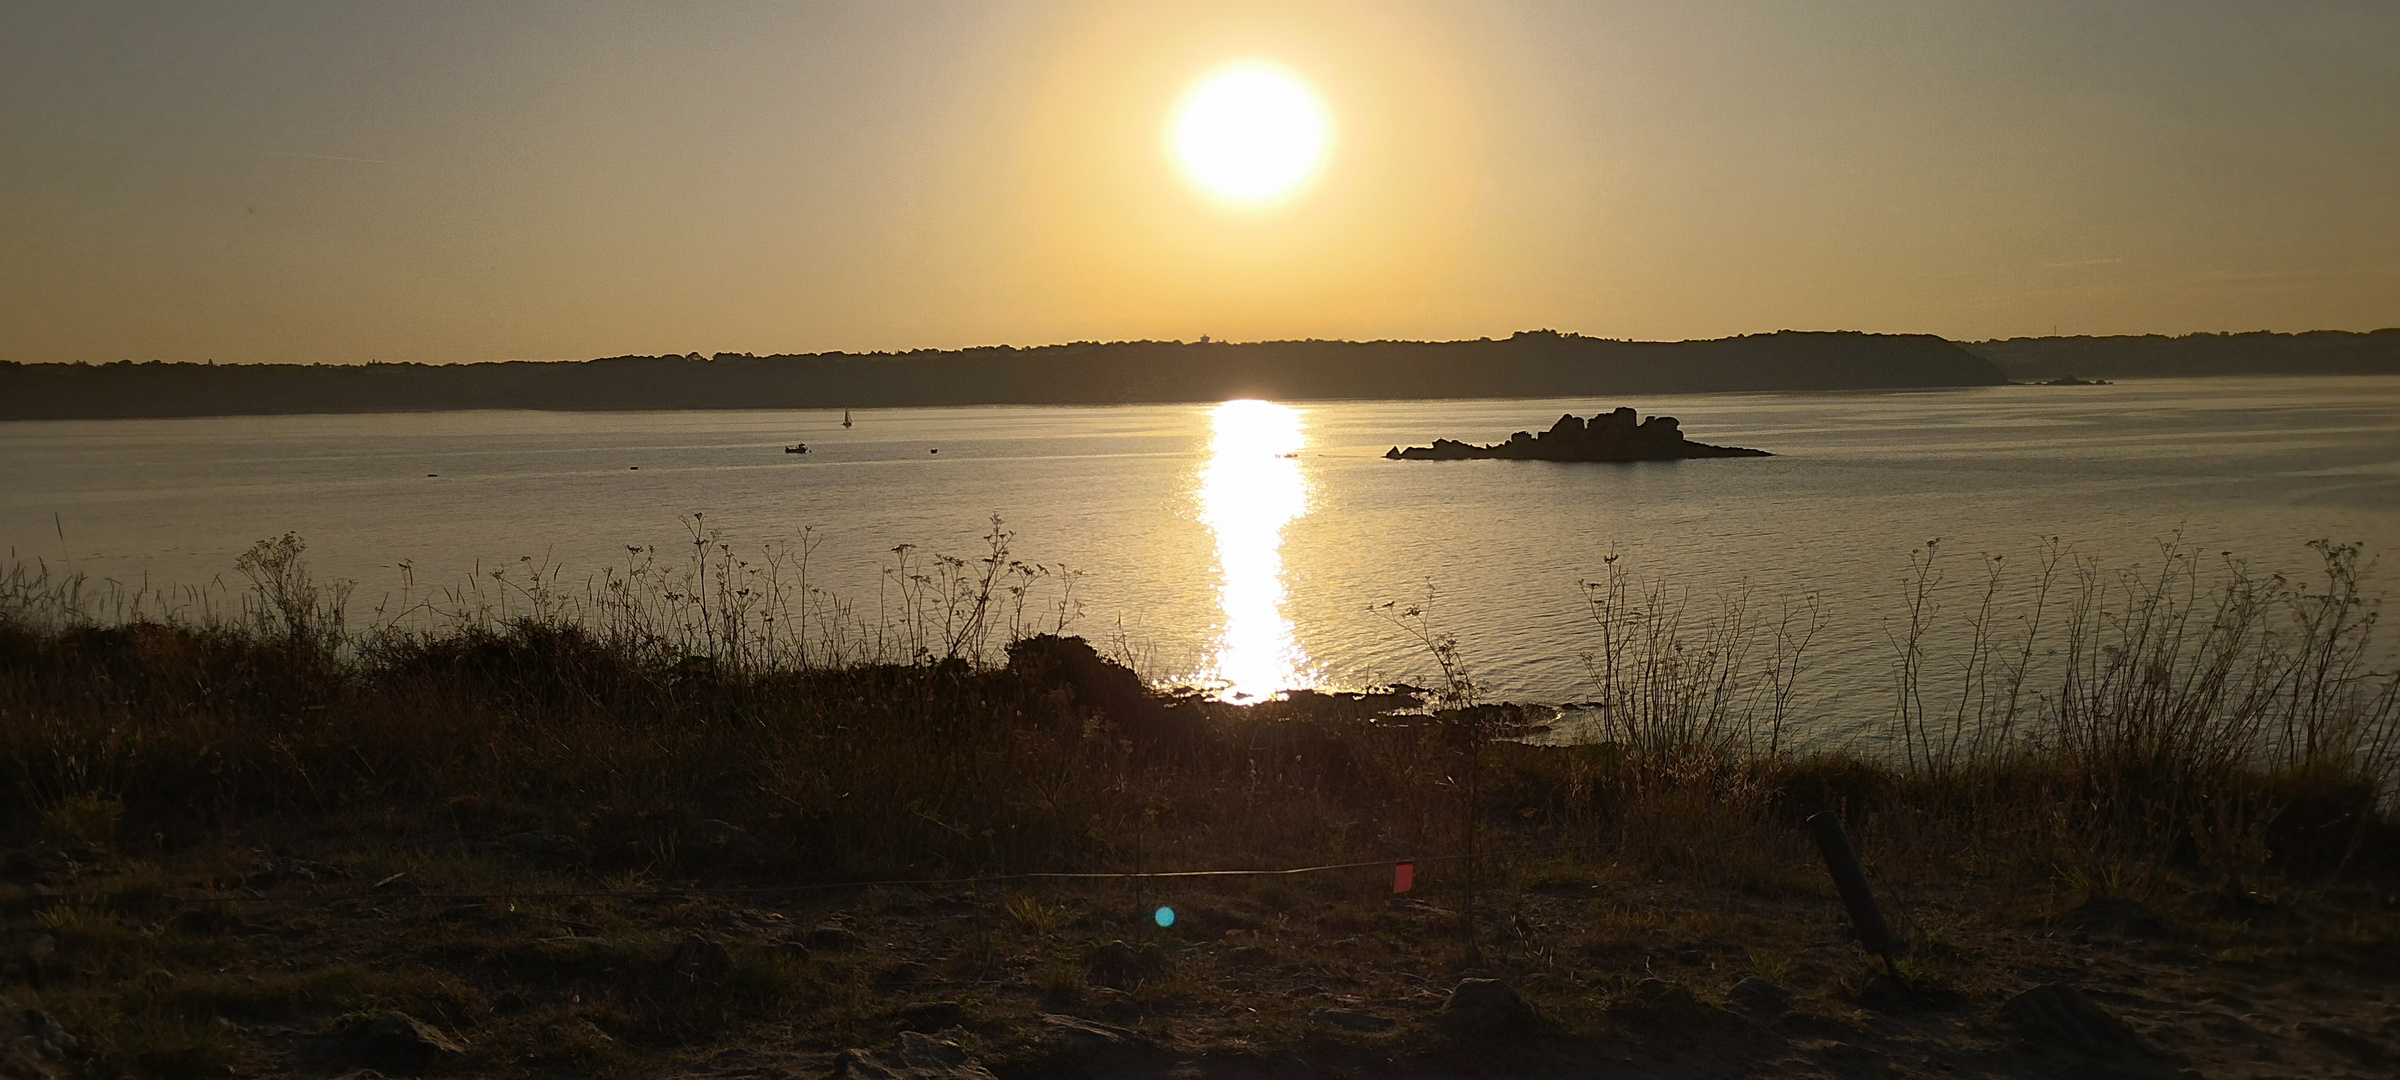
<point>796,448</point>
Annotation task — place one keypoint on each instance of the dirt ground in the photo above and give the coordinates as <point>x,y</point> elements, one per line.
<point>331,958</point>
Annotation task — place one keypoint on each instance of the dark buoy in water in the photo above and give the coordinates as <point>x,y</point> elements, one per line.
<point>935,450</point>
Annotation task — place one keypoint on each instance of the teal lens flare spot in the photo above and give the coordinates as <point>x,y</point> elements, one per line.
<point>1165,916</point>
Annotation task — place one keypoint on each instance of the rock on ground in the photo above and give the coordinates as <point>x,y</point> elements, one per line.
<point>1762,997</point>
<point>32,1046</point>
<point>917,1056</point>
<point>400,1042</point>
<point>1483,1007</point>
<point>1101,1049</point>
<point>2059,1019</point>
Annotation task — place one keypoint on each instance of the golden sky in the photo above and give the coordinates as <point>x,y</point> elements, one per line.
<point>455,181</point>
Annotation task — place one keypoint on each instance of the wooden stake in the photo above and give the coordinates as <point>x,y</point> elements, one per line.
<point>1851,879</point>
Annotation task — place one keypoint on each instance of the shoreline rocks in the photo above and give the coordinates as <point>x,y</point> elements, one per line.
<point>1610,436</point>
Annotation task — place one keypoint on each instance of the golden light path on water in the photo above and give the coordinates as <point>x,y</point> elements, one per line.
<point>1250,489</point>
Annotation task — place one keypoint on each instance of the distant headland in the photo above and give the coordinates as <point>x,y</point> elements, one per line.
<point>1530,363</point>
<point>1534,363</point>
<point>1610,436</point>
<point>2154,356</point>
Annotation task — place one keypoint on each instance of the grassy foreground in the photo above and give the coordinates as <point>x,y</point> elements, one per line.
<point>233,845</point>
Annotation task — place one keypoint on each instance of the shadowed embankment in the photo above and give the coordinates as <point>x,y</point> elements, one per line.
<point>273,846</point>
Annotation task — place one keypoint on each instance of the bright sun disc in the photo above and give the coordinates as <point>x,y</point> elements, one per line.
<point>1249,132</point>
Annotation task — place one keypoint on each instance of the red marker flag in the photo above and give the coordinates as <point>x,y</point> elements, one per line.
<point>1404,876</point>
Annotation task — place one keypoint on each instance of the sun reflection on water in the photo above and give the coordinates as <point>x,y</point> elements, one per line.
<point>1249,490</point>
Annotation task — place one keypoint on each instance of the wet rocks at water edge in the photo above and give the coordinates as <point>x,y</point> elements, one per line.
<point>1612,436</point>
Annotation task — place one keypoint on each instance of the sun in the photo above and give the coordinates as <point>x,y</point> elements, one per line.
<point>1250,132</point>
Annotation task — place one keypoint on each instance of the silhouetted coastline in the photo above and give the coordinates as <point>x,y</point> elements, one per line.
<point>1539,363</point>
<point>2156,356</point>
<point>1534,363</point>
<point>1611,436</point>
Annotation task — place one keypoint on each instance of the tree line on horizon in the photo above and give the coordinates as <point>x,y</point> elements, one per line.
<point>1533,363</point>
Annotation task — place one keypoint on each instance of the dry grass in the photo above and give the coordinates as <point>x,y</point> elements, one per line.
<point>674,725</point>
<point>2163,736</point>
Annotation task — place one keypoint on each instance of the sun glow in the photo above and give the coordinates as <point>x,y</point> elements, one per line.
<point>1250,132</point>
<point>1249,490</point>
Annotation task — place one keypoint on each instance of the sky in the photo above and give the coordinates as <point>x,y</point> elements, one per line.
<point>440,182</point>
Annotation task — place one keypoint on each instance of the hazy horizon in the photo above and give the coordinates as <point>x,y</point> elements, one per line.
<point>281,182</point>
<point>1037,346</point>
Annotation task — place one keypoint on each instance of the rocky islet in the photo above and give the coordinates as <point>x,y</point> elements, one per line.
<point>1611,436</point>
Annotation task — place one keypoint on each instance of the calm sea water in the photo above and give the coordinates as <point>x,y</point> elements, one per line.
<point>1211,554</point>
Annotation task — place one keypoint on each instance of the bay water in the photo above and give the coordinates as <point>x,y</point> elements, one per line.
<point>1252,547</point>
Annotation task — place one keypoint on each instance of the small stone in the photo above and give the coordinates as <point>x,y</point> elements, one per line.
<point>1760,996</point>
<point>30,1041</point>
<point>2059,1015</point>
<point>1884,993</point>
<point>398,1041</point>
<point>917,1056</point>
<point>829,938</point>
<point>47,1030</point>
<point>1101,1049</point>
<point>1483,1007</point>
